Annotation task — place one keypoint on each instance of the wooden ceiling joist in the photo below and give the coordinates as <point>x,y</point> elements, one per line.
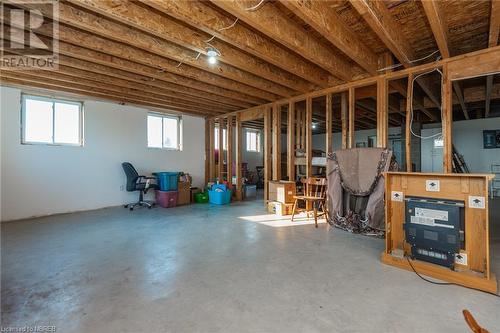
<point>460,96</point>
<point>435,17</point>
<point>62,80</point>
<point>201,16</point>
<point>320,16</point>
<point>91,39</point>
<point>159,25</point>
<point>275,24</point>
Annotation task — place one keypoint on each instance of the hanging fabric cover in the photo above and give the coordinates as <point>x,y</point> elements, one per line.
<point>355,192</point>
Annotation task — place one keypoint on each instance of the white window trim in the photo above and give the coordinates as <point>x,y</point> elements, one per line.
<point>53,100</point>
<point>179,130</point>
<point>257,133</point>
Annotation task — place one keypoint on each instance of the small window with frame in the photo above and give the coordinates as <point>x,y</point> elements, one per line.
<point>164,131</point>
<point>253,140</point>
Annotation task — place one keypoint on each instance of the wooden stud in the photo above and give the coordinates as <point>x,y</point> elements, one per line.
<point>212,150</point>
<point>207,150</point>
<point>220,163</point>
<point>382,113</point>
<point>276,109</point>
<point>238,141</point>
<point>291,142</point>
<point>329,124</point>
<point>308,128</point>
<point>487,101</point>
<point>460,96</point>
<point>409,114</point>
<point>352,109</point>
<point>229,153</point>
<point>447,121</point>
<point>344,105</point>
<point>267,151</point>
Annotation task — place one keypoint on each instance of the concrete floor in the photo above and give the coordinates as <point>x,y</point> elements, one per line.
<point>202,269</point>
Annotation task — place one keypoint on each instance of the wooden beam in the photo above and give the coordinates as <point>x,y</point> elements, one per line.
<point>438,25</point>
<point>203,17</point>
<point>90,90</point>
<point>229,158</point>
<point>324,19</point>
<point>212,150</point>
<point>380,19</point>
<point>447,121</point>
<point>291,141</point>
<point>308,135</point>
<point>276,110</point>
<point>344,106</point>
<point>123,50</point>
<point>220,162</point>
<point>267,151</point>
<point>409,118</point>
<point>133,14</point>
<point>238,140</point>
<point>460,96</point>
<point>352,108</point>
<point>275,24</point>
<point>382,113</point>
<point>494,23</point>
<point>102,27</point>
<point>207,150</point>
<point>329,120</point>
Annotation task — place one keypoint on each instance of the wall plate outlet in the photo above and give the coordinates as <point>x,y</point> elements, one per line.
<point>461,259</point>
<point>432,185</point>
<point>477,202</point>
<point>397,196</point>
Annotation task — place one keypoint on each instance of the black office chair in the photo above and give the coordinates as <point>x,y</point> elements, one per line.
<point>138,183</point>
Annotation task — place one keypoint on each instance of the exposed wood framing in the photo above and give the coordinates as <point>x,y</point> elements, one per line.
<point>489,86</point>
<point>352,118</point>
<point>308,135</point>
<point>329,124</point>
<point>238,142</point>
<point>494,23</point>
<point>291,141</point>
<point>382,113</point>
<point>212,150</point>
<point>229,154</point>
<point>409,118</point>
<point>273,23</point>
<point>207,150</point>
<point>344,106</point>
<point>276,109</point>
<point>435,17</point>
<point>267,150</point>
<point>447,121</point>
<point>220,162</point>
<point>459,92</point>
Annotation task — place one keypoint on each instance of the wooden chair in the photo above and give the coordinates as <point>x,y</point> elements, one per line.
<point>314,195</point>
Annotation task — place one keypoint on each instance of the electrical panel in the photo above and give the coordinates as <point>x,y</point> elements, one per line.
<point>435,229</point>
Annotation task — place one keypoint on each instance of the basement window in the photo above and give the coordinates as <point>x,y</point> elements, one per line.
<point>51,121</point>
<point>216,139</point>
<point>164,131</point>
<point>253,141</point>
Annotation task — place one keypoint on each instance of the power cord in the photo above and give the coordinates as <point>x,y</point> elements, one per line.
<point>445,283</point>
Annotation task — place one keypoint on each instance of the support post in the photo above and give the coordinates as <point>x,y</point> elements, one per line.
<point>329,118</point>
<point>238,142</point>
<point>382,113</point>
<point>291,141</point>
<point>409,114</point>
<point>344,118</point>
<point>308,125</point>
<point>447,121</point>
<point>267,151</point>
<point>229,158</point>
<point>352,108</point>
<point>220,166</point>
<point>207,150</point>
<point>211,154</point>
<point>276,142</point>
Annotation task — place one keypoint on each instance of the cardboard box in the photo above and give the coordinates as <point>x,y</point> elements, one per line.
<point>183,197</point>
<point>183,186</point>
<point>280,209</point>
<point>282,191</point>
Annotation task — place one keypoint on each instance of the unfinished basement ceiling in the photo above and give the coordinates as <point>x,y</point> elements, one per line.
<point>154,53</point>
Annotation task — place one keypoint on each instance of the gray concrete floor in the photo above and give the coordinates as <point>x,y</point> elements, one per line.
<point>202,269</point>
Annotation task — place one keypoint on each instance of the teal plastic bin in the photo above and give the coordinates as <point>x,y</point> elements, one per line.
<point>219,198</point>
<point>167,181</point>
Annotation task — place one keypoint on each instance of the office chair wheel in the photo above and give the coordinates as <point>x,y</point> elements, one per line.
<point>125,206</point>
<point>131,208</point>
<point>149,207</point>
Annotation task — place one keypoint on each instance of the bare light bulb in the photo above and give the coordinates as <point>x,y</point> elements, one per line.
<point>212,60</point>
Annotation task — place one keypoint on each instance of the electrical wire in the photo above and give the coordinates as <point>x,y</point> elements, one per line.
<point>440,134</point>
<point>257,6</point>
<point>447,283</point>
<point>409,61</point>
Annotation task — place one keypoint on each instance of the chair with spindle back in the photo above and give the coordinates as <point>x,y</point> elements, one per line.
<point>315,195</point>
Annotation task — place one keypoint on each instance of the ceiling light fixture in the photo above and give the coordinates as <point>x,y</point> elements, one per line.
<point>212,56</point>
